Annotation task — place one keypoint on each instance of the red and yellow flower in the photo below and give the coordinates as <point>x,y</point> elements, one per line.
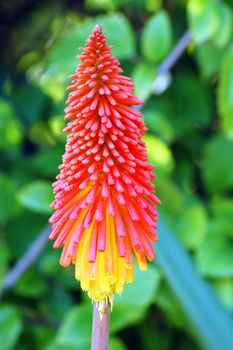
<point>104,200</point>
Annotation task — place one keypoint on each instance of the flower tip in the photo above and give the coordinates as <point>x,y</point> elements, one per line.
<point>139,101</point>
<point>97,28</point>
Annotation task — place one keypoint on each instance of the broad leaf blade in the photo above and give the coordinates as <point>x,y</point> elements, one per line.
<point>213,326</point>
<point>156,39</point>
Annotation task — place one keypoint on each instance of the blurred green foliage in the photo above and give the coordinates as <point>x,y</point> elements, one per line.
<point>190,140</point>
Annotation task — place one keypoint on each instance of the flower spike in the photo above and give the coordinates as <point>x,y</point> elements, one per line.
<point>104,200</point>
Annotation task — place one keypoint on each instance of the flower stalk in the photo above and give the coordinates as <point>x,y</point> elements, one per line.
<point>100,326</point>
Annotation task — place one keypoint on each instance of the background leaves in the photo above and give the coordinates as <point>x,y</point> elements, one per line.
<point>189,141</point>
<point>10,326</point>
<point>36,196</point>
<point>156,47</point>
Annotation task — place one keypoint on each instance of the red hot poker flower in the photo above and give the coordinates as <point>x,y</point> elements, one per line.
<point>103,194</point>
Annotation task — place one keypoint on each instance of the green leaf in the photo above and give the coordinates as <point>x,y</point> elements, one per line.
<point>48,263</point>
<point>158,123</point>
<point>105,4</point>
<point>49,266</point>
<point>217,164</point>
<point>4,258</point>
<point>222,210</point>
<point>151,337</point>
<point>179,210</point>
<point>30,102</point>
<point>203,17</point>
<point>36,196</point>
<point>224,31</point>
<point>225,92</point>
<point>135,299</point>
<point>171,307</point>
<point>116,28</point>
<point>224,288</point>
<point>18,229</point>
<point>9,206</point>
<point>212,324</point>
<point>159,154</point>
<point>55,346</point>
<point>56,124</point>
<point>46,162</point>
<point>214,256</point>
<point>41,135</point>
<point>171,197</point>
<point>143,77</point>
<point>156,38</point>
<point>57,302</point>
<point>41,335</point>
<point>116,344</point>
<point>75,330</point>
<point>185,172</point>
<point>10,327</point>
<point>197,215</point>
<point>153,5</point>
<point>209,59</point>
<point>31,285</point>
<point>187,114</point>
<point>10,127</point>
